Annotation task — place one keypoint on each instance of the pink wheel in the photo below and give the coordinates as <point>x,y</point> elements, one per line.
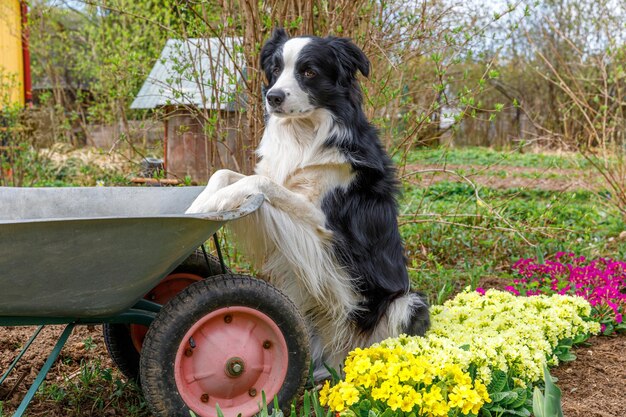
<point>227,358</point>
<point>224,341</point>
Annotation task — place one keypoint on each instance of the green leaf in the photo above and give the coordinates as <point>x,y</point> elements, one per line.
<point>522,396</point>
<point>580,338</point>
<point>521,412</point>
<point>335,378</point>
<point>539,408</point>
<point>307,402</point>
<point>567,357</point>
<point>498,382</point>
<point>387,413</point>
<point>503,397</point>
<point>539,254</point>
<point>317,407</point>
<point>549,403</point>
<point>498,409</point>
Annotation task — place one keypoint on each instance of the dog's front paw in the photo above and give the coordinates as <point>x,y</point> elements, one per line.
<point>202,203</point>
<point>227,198</point>
<point>210,203</point>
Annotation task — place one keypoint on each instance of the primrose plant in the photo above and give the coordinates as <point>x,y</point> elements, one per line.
<point>602,282</point>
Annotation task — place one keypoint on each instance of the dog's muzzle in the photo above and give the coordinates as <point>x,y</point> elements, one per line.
<point>275,98</point>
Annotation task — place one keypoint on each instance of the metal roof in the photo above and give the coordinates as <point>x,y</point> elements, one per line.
<point>200,72</point>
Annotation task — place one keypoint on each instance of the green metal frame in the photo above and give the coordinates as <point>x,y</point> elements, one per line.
<point>22,352</point>
<point>44,370</point>
<point>143,312</point>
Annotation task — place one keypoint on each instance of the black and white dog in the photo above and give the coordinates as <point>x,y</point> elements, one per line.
<point>327,234</point>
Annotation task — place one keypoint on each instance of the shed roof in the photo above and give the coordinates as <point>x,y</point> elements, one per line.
<point>200,72</point>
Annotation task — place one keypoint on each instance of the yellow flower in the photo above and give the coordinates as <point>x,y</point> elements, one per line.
<point>433,396</point>
<point>348,392</point>
<point>362,364</point>
<point>440,409</point>
<point>323,397</point>
<point>383,392</point>
<point>394,402</point>
<point>410,399</point>
<point>335,402</point>
<point>481,390</point>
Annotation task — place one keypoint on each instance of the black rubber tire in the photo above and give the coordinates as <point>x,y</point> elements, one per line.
<point>198,300</point>
<point>117,336</point>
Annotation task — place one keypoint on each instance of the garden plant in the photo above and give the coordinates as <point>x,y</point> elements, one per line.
<point>601,281</point>
<point>483,356</point>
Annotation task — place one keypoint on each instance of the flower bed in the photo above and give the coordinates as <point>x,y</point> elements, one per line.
<point>602,282</point>
<point>482,355</point>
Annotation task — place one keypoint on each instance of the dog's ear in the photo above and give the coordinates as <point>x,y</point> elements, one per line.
<point>278,38</point>
<point>350,56</point>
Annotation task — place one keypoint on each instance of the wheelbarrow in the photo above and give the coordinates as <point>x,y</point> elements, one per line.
<point>197,337</point>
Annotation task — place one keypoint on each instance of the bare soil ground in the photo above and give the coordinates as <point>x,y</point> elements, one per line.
<point>503,177</point>
<point>85,345</point>
<point>594,384</point>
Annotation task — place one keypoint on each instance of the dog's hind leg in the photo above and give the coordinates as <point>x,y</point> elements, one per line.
<point>419,319</point>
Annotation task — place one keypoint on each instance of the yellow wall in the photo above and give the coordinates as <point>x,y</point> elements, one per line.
<point>11,64</point>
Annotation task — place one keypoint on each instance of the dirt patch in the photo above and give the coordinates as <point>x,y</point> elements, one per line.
<point>593,385</point>
<point>495,282</point>
<point>505,177</point>
<point>85,345</point>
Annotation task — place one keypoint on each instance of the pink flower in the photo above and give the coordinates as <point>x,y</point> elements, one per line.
<point>480,290</point>
<point>512,290</point>
<point>599,281</point>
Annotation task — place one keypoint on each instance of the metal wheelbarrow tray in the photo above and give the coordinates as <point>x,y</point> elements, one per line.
<point>90,255</point>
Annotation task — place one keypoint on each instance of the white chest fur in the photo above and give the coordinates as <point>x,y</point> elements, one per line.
<point>293,154</point>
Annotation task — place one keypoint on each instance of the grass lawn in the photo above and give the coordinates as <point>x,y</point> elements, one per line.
<point>453,240</point>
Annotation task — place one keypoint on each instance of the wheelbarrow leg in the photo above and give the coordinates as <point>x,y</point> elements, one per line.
<point>44,370</point>
<point>19,356</point>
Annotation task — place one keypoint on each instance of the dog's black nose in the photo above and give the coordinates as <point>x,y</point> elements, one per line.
<point>275,97</point>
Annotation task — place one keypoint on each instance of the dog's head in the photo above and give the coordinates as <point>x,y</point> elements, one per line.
<point>307,73</point>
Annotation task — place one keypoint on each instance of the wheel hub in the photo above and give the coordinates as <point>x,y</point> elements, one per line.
<point>234,367</point>
<point>238,352</point>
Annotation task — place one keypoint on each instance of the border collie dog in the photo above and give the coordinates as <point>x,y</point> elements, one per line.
<point>327,234</point>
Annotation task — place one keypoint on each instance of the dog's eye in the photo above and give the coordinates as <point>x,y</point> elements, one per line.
<point>276,70</point>
<point>309,73</point>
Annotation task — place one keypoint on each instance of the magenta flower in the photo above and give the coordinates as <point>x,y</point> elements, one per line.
<point>600,282</point>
